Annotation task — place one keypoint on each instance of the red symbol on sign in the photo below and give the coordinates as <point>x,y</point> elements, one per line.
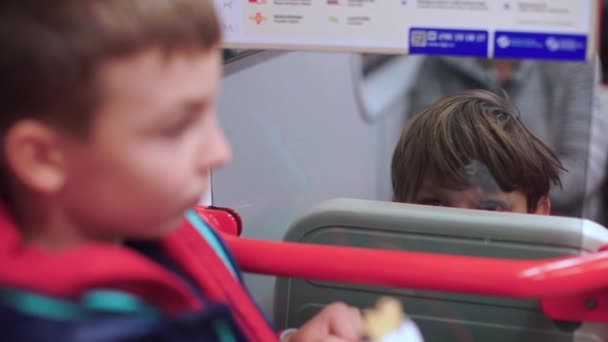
<point>258,18</point>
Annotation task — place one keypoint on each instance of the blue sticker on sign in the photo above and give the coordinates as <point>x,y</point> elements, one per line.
<point>434,41</point>
<point>540,46</point>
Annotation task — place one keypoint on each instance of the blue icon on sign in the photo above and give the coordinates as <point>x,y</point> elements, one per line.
<point>436,41</point>
<point>540,46</point>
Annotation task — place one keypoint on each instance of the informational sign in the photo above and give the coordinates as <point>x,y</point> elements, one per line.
<point>548,29</point>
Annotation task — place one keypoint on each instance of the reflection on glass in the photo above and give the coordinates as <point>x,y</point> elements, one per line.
<point>231,55</point>
<point>556,101</point>
<point>372,62</point>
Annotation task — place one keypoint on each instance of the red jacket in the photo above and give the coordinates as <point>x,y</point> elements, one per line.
<point>71,273</point>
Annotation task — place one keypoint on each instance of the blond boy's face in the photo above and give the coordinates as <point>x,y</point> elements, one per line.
<point>431,193</point>
<point>154,140</point>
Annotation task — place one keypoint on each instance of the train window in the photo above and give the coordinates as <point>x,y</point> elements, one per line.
<point>558,101</point>
<point>381,80</point>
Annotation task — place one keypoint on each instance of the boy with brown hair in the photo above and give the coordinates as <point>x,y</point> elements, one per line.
<point>471,150</point>
<point>109,133</point>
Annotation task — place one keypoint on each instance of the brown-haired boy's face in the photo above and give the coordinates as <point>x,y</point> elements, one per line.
<point>431,193</point>
<point>153,142</point>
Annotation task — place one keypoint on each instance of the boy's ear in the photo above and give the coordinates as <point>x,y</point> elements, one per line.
<point>32,152</point>
<point>543,207</point>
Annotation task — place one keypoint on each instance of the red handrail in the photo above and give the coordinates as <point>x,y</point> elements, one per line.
<point>569,288</point>
<point>454,273</point>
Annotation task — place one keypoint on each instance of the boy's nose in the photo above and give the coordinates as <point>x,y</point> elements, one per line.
<point>217,150</point>
<point>223,152</point>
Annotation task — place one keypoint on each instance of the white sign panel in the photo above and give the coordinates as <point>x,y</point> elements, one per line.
<point>551,29</point>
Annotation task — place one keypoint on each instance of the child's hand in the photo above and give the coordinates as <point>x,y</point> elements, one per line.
<point>337,322</point>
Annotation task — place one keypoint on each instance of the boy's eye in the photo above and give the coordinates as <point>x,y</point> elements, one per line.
<point>493,205</point>
<point>175,129</point>
<point>179,126</point>
<point>430,201</point>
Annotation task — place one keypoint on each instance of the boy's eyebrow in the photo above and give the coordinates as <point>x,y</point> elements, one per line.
<point>182,110</point>
<point>182,113</point>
